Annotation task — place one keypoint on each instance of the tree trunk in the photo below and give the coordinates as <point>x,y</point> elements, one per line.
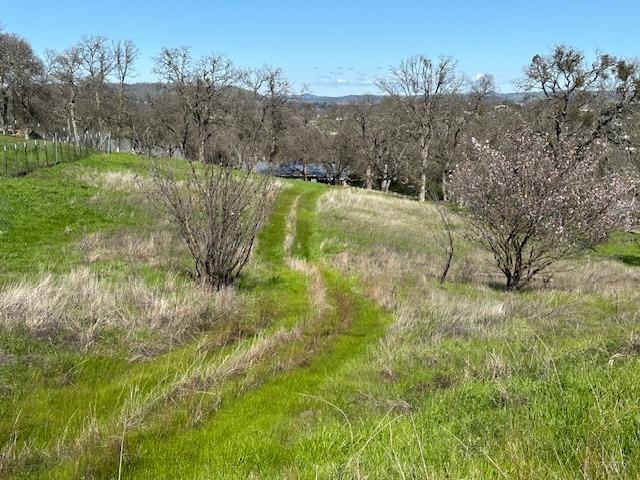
<point>514,279</point>
<point>98,112</point>
<point>4,110</point>
<point>273,153</point>
<point>422,196</point>
<point>445,194</point>
<point>201,151</point>
<point>447,265</point>
<point>369,178</point>
<point>424,155</point>
<point>120,109</point>
<point>386,181</point>
<point>72,119</point>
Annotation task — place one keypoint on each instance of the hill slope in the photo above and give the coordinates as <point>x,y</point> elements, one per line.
<point>337,356</point>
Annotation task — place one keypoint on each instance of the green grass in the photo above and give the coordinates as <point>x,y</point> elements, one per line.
<point>459,381</point>
<point>53,209</point>
<point>544,390</point>
<point>624,247</point>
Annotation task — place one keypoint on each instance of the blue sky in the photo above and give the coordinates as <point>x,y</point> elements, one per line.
<point>339,47</point>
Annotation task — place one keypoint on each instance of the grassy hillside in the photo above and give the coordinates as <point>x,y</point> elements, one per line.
<point>337,356</point>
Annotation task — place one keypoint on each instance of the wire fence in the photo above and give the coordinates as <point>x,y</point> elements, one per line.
<point>21,157</point>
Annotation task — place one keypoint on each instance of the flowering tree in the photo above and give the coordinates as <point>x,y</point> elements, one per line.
<point>531,205</point>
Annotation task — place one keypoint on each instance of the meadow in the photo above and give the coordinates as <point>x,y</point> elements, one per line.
<point>338,354</point>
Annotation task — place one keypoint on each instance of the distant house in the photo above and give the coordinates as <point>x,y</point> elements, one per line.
<point>25,133</point>
<point>316,172</point>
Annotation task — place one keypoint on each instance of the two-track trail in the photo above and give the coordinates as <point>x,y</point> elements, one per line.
<point>254,433</point>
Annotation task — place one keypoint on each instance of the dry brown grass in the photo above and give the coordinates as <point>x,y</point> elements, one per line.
<point>207,376</point>
<point>606,277</point>
<point>401,275</point>
<point>383,211</point>
<point>78,307</point>
<point>317,290</point>
<point>112,180</point>
<point>156,248</point>
<point>408,249</point>
<point>290,227</point>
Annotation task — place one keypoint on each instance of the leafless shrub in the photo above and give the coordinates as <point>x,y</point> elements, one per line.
<point>217,212</point>
<point>532,205</point>
<point>444,239</point>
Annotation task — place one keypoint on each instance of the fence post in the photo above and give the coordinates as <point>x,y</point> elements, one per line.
<point>4,155</point>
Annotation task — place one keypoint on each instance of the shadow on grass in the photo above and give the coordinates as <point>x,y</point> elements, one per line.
<point>496,286</point>
<point>531,286</point>
<point>632,260</point>
<point>248,283</point>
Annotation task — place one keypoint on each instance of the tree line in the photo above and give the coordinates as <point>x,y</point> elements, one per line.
<point>537,178</point>
<point>406,139</point>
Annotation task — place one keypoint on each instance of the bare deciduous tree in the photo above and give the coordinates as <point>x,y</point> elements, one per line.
<point>457,114</point>
<point>532,205</point>
<point>203,87</point>
<point>338,153</point>
<point>65,69</point>
<point>374,134</point>
<point>260,117</point>
<point>125,53</point>
<point>97,60</point>
<point>444,240</point>
<point>272,91</point>
<point>217,211</point>
<point>419,88</point>
<point>20,72</point>
<point>304,141</point>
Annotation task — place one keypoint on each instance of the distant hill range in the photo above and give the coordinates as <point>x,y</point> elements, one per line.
<point>141,90</point>
<point>347,99</point>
